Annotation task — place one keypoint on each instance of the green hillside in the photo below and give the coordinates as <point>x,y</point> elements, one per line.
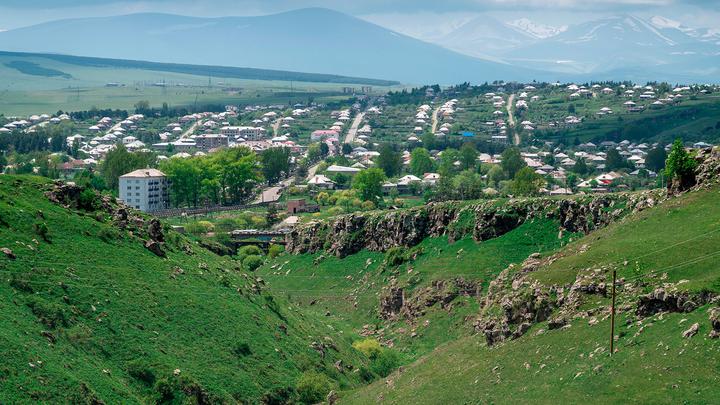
<point>89,314</point>
<point>674,245</point>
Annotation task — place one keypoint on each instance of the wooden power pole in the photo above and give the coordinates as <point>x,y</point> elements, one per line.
<point>612,315</point>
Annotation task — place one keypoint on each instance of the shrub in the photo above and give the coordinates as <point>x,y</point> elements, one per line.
<point>395,256</point>
<point>142,371</point>
<point>242,349</point>
<point>384,362</point>
<point>368,205</point>
<point>275,250</point>
<point>108,235</point>
<point>252,262</point>
<point>312,387</point>
<point>41,229</point>
<point>279,396</point>
<point>50,314</point>
<point>250,250</point>
<point>88,200</point>
<point>199,227</point>
<point>369,347</point>
<point>335,210</point>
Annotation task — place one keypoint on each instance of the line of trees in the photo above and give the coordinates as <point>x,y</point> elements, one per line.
<point>225,177</point>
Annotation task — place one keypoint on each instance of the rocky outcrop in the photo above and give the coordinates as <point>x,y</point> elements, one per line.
<point>669,299</point>
<point>707,172</point>
<point>715,323</point>
<point>483,220</point>
<point>394,304</point>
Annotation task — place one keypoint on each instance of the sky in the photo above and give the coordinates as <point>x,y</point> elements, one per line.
<point>400,14</point>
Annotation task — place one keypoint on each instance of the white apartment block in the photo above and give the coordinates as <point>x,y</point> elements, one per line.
<point>145,189</point>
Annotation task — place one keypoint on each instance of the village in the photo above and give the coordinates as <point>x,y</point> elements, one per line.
<point>461,142</point>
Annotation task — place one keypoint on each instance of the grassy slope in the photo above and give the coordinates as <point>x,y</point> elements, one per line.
<point>116,303</point>
<point>333,283</point>
<point>658,366</point>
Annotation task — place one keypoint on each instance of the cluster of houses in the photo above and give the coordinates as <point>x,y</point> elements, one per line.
<point>29,124</point>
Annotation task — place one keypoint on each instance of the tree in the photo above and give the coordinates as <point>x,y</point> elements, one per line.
<point>680,165</point>
<point>580,166</point>
<point>119,161</point>
<point>655,159</point>
<point>389,160</point>
<point>346,149</point>
<point>467,185</point>
<point>275,163</point>
<point>512,161</point>
<point>420,162</point>
<point>495,175</point>
<point>142,106</point>
<point>468,156</point>
<point>324,149</point>
<point>613,160</point>
<point>447,162</point>
<point>3,162</point>
<point>526,182</point>
<point>369,183</point>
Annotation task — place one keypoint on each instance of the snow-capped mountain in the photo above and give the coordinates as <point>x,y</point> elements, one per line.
<point>702,34</point>
<point>623,42</point>
<point>536,30</point>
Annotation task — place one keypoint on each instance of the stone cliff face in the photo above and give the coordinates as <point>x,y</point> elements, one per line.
<point>379,231</point>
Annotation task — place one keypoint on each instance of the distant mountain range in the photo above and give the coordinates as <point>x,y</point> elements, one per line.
<point>324,41</point>
<point>307,40</point>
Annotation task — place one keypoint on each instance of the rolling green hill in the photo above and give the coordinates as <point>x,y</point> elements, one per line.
<point>45,83</point>
<point>653,363</point>
<point>90,314</point>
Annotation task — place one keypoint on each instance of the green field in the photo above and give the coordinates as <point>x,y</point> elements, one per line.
<point>43,85</point>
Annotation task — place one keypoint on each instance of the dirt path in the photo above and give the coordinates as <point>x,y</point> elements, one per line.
<point>190,130</point>
<point>511,119</point>
<point>350,137</point>
<point>435,119</point>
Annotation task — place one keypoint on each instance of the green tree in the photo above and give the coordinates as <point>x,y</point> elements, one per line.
<point>655,159</point>
<point>389,160</point>
<point>526,182</point>
<point>420,162</point>
<point>512,161</point>
<point>119,161</point>
<point>614,161</point>
<point>680,165</point>
<point>468,156</point>
<point>346,149</point>
<point>447,162</point>
<point>369,184</point>
<point>580,166</point>
<point>495,176</point>
<point>467,185</point>
<point>275,163</point>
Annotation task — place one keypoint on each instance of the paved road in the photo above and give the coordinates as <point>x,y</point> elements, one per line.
<point>276,126</point>
<point>350,137</point>
<point>511,119</point>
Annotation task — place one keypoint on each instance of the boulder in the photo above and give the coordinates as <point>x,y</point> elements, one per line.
<point>692,331</point>
<point>155,247</point>
<point>8,253</point>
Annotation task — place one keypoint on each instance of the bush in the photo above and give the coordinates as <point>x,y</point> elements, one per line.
<point>279,396</point>
<point>250,250</point>
<point>41,229</point>
<point>313,387</point>
<point>368,205</point>
<point>108,235</point>
<point>50,314</point>
<point>142,371</point>
<point>88,200</point>
<point>335,210</point>
<point>252,262</point>
<point>395,256</point>
<point>384,362</point>
<point>369,347</point>
<point>242,349</point>
<point>275,250</point>
<point>199,227</point>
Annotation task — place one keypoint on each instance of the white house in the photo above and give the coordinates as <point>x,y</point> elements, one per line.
<point>145,189</point>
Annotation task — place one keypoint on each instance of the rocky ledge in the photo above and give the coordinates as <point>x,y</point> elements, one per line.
<point>487,219</point>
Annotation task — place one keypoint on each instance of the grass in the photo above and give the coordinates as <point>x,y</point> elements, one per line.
<point>92,314</point>
<point>676,238</point>
<point>350,287</point>
<point>657,367</point>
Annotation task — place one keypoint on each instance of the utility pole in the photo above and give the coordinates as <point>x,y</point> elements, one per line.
<point>612,315</point>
